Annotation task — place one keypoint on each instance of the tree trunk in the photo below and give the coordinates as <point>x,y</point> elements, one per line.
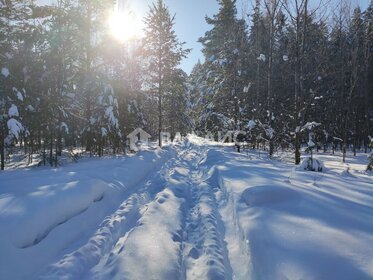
<point>59,144</point>
<point>51,150</point>
<point>56,156</point>
<point>44,153</point>
<point>297,148</point>
<point>272,12</point>
<point>296,96</point>
<point>160,92</point>
<point>269,83</point>
<point>160,118</point>
<point>344,145</point>
<point>2,147</point>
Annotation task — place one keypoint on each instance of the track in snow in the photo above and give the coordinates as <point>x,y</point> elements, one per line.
<point>171,228</point>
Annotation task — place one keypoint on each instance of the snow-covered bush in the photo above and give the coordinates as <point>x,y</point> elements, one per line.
<point>312,164</point>
<point>310,127</point>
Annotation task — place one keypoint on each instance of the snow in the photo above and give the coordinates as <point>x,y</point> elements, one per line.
<point>223,61</point>
<point>312,164</point>
<point>64,127</point>
<point>45,214</point>
<point>311,125</point>
<point>30,108</point>
<point>310,143</point>
<point>92,120</point>
<point>269,132</point>
<point>211,58</point>
<point>36,223</point>
<point>261,57</point>
<point>194,210</point>
<point>104,132</point>
<point>19,95</point>
<point>251,125</point>
<point>109,113</point>
<point>13,111</point>
<point>14,127</point>
<point>247,88</point>
<point>5,72</point>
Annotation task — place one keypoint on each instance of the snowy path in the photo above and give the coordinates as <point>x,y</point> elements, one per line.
<point>179,233</point>
<point>192,211</point>
<point>172,226</point>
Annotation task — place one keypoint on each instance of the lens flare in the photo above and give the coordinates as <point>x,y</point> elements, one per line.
<point>124,26</point>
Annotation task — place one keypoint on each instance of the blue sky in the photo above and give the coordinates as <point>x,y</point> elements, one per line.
<point>191,24</point>
<point>190,19</point>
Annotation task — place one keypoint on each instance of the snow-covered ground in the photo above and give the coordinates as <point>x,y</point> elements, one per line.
<point>195,210</point>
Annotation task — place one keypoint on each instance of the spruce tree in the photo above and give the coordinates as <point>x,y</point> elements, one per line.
<point>224,48</point>
<point>163,53</point>
<point>14,25</point>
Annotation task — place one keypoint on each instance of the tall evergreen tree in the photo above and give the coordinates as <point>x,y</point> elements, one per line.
<point>163,53</point>
<point>225,51</point>
<point>14,27</point>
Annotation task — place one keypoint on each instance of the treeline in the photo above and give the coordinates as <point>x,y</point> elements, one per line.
<point>66,82</point>
<point>292,72</point>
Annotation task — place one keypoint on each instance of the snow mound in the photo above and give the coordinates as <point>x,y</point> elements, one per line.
<point>312,164</point>
<point>46,209</point>
<point>267,195</point>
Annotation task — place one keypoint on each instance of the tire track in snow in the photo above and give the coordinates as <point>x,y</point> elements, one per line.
<point>237,242</point>
<point>205,251</point>
<point>169,229</point>
<point>223,206</point>
<point>156,240</point>
<point>98,249</point>
<point>77,263</point>
<point>181,233</point>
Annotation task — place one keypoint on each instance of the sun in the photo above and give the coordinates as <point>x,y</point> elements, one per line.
<point>124,26</point>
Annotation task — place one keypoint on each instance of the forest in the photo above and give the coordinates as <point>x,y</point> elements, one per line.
<point>290,73</point>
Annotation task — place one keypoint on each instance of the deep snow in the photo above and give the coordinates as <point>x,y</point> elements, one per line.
<point>195,210</point>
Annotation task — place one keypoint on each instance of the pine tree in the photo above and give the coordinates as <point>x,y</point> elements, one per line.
<point>225,50</point>
<point>60,67</point>
<point>126,78</point>
<point>90,20</point>
<point>14,25</point>
<point>176,105</point>
<point>163,53</point>
<point>197,91</point>
<point>368,72</point>
<point>354,81</point>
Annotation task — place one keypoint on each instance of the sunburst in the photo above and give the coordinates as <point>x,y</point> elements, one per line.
<point>124,26</point>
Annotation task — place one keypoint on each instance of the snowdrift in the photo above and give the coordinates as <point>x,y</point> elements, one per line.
<point>53,205</point>
<point>268,195</point>
<point>45,211</point>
